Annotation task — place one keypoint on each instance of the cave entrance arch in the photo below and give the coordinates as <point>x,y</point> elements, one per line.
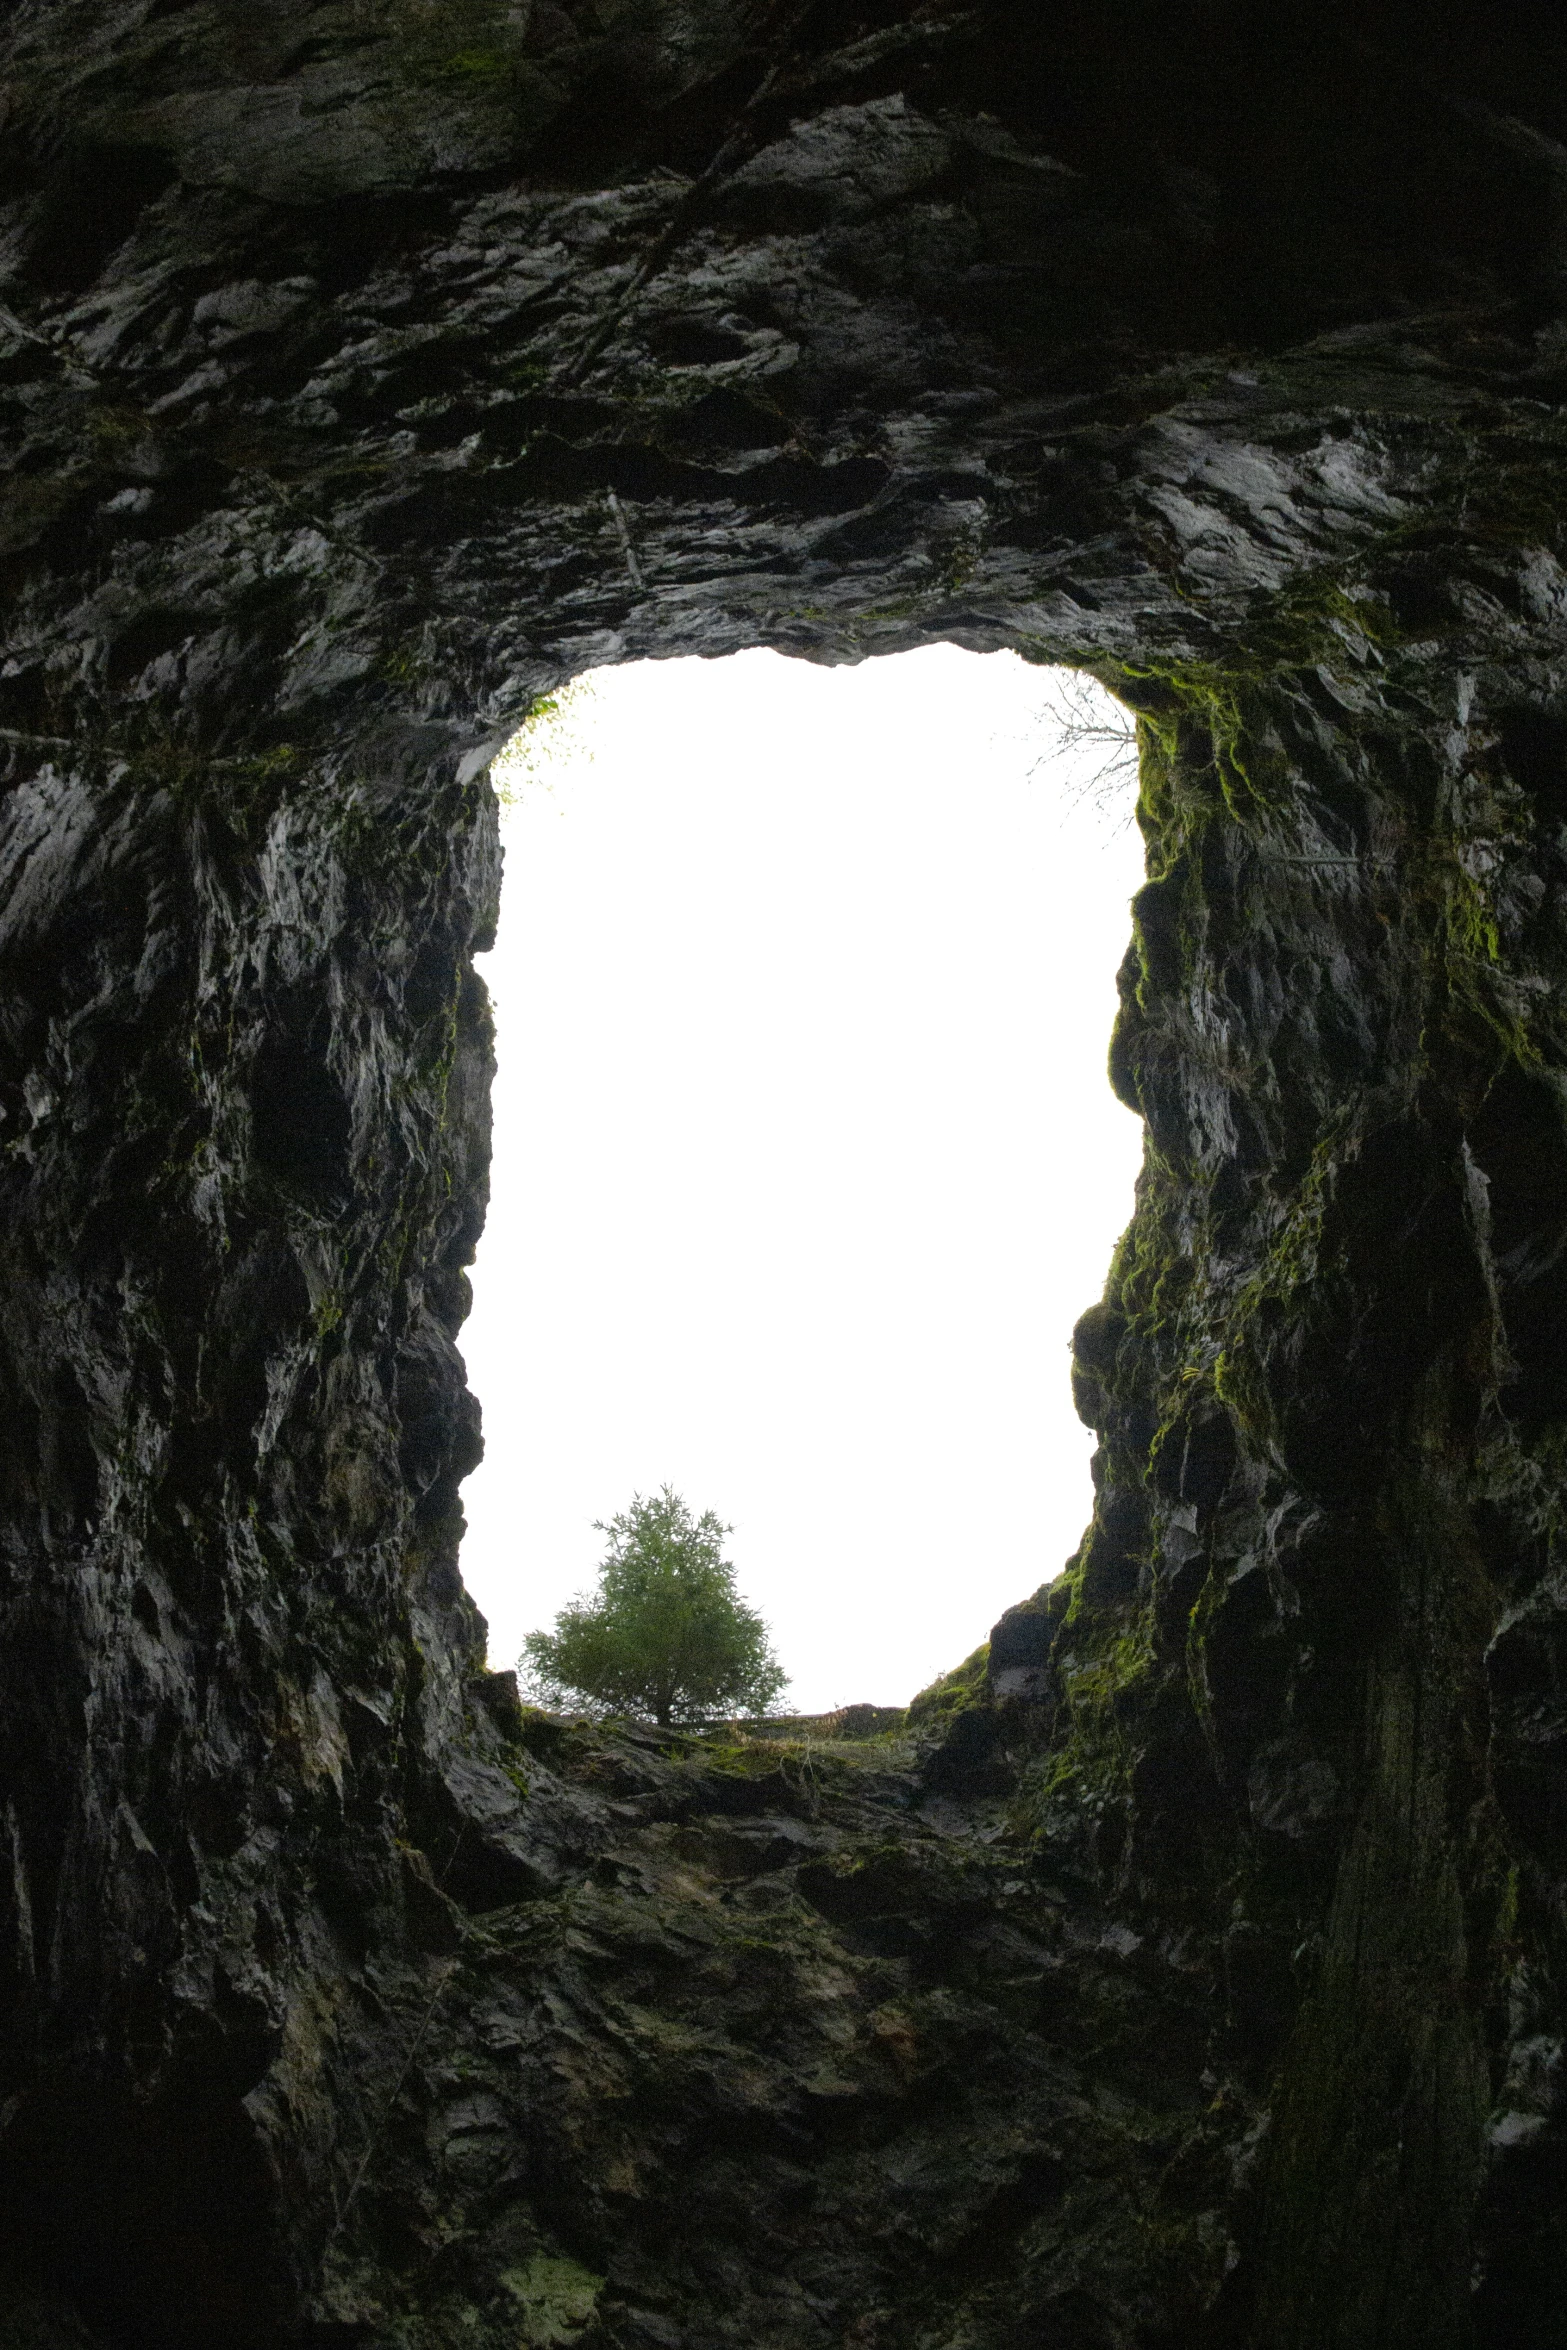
<point>805,1157</point>
<point>364,374</point>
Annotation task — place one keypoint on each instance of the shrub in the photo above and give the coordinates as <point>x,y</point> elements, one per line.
<point>666,1633</point>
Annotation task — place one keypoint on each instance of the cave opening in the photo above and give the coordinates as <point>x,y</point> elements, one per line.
<point>806,1161</point>
<point>1197,1977</point>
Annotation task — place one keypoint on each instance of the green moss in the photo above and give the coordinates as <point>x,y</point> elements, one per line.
<point>1106,1662</point>
<point>963,560</point>
<point>462,44</point>
<point>1292,1260</point>
<point>1207,741</point>
<point>264,766</point>
<point>1319,618</point>
<point>1471,920</point>
<point>555,2299</point>
<point>1193,706</point>
<point>475,66</point>
<point>1151,1291</point>
<point>1095,1691</point>
<point>952,1693</point>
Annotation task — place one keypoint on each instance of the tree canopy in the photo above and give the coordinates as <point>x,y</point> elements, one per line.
<point>666,1633</point>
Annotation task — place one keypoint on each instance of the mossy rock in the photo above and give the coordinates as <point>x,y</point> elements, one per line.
<point>951,1692</point>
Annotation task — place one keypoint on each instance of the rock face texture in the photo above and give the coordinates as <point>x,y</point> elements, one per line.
<point>1198,1979</point>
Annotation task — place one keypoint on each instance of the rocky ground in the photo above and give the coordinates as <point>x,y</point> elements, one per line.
<point>801,2044</point>
<point>793,2039</point>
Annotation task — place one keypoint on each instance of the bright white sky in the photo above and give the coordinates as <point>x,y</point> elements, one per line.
<point>805,1159</point>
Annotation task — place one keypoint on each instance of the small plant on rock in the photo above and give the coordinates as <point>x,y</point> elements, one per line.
<point>666,1633</point>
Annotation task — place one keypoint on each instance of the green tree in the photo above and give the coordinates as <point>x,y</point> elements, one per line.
<point>666,1633</point>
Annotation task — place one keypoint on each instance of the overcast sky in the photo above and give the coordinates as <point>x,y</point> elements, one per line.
<point>805,1160</point>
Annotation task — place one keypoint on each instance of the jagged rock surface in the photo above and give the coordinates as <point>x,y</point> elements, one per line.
<point>800,2046</point>
<point>363,372</point>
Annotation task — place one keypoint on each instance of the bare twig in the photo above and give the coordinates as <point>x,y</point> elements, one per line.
<point>1079,716</point>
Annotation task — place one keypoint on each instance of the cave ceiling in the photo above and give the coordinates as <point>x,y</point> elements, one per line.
<point>396,359</point>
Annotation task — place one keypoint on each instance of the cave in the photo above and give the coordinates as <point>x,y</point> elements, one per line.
<point>368,371</point>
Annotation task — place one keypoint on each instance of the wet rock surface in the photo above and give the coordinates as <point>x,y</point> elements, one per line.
<point>1195,1976</point>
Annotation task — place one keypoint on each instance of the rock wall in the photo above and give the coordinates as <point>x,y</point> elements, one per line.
<point>366,370</point>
